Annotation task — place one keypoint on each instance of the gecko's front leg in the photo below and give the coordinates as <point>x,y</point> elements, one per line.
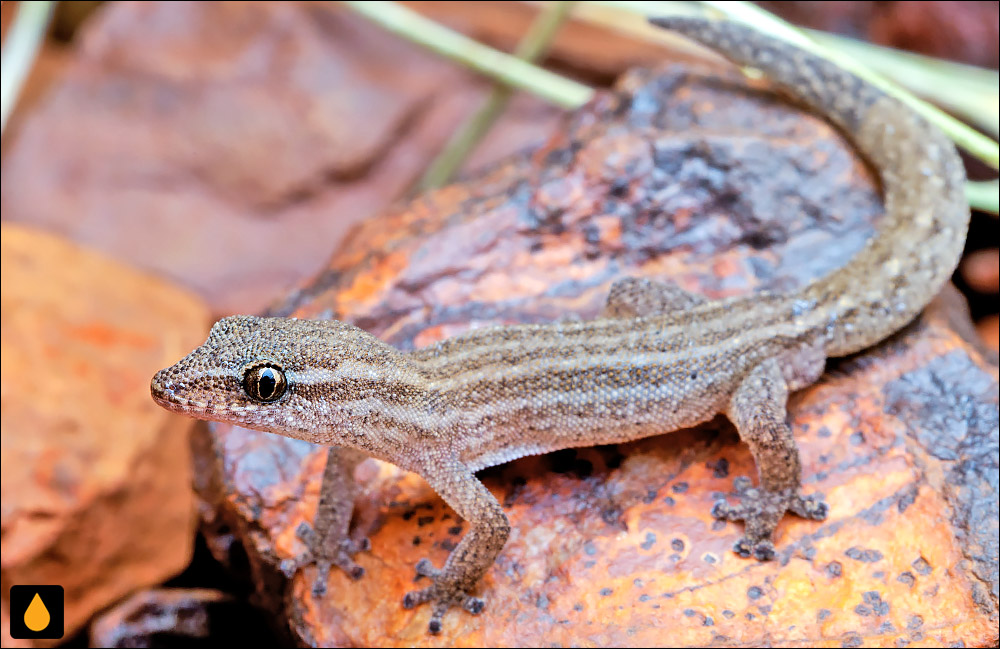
<point>467,563</point>
<point>328,540</point>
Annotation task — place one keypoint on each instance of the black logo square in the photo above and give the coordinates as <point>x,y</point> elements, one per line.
<point>37,612</point>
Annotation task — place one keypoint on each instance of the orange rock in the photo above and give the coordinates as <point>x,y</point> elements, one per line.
<point>735,190</point>
<point>96,478</point>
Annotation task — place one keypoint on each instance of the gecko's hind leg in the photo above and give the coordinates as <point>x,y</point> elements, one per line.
<point>451,585</point>
<point>328,541</point>
<point>635,297</point>
<point>758,410</point>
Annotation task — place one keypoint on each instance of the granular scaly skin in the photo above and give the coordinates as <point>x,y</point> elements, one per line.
<point>660,359</point>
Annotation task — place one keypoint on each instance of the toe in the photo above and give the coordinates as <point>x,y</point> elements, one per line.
<point>764,551</point>
<point>473,605</point>
<point>415,598</point>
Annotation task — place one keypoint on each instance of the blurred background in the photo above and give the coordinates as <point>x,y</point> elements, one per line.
<point>161,159</point>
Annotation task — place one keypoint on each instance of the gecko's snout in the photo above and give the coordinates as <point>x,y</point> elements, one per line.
<point>163,388</point>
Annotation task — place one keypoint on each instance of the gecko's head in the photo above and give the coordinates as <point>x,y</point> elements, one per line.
<point>277,374</point>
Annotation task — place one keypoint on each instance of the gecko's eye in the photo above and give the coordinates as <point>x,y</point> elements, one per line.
<point>264,381</point>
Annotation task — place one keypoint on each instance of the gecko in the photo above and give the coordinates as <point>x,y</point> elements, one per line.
<point>658,359</point>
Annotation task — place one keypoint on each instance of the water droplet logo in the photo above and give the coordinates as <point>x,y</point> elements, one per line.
<point>37,616</point>
<point>37,612</point>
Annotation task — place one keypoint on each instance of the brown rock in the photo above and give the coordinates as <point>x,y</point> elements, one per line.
<point>96,478</point>
<point>177,616</point>
<point>230,145</point>
<point>962,31</point>
<point>725,189</point>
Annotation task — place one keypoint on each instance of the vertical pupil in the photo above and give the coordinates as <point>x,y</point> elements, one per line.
<point>266,383</point>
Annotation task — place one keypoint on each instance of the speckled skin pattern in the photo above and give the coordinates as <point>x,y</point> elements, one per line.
<point>660,359</point>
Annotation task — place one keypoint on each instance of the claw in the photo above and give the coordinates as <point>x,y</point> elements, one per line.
<point>761,510</point>
<point>415,598</point>
<point>342,557</point>
<point>473,605</point>
<point>425,568</point>
<point>442,594</point>
<point>322,575</point>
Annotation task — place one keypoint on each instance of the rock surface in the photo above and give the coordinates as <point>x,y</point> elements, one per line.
<point>96,478</point>
<point>724,188</point>
<point>161,617</point>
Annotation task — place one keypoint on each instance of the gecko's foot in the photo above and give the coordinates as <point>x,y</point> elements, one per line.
<point>761,510</point>
<point>441,594</point>
<point>320,552</point>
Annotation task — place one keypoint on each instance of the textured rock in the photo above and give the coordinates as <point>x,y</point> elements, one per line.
<point>724,188</point>
<point>230,145</point>
<point>96,478</point>
<point>176,617</point>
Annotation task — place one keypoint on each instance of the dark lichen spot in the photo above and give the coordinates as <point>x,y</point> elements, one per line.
<point>720,468</point>
<point>542,602</point>
<point>448,544</point>
<point>834,569</point>
<point>589,548</point>
<point>824,432</point>
<point>669,501</point>
<point>907,578</point>
<point>611,515</point>
<point>851,639</point>
<point>907,499</point>
<point>726,613</point>
<point>677,545</point>
<point>764,609</point>
<point>679,488</point>
<point>578,606</point>
<point>649,542</point>
<point>886,627</point>
<point>856,439</point>
<point>637,582</point>
<point>873,599</point>
<point>915,622</point>
<point>618,188</point>
<point>710,559</point>
<point>649,497</point>
<point>823,614</point>
<point>921,566</point>
<point>708,621</point>
<point>754,592</point>
<point>644,597</point>
<point>455,530</point>
<point>424,520</point>
<point>407,515</point>
<point>416,540</point>
<point>690,612</point>
<point>863,555</point>
<point>605,592</point>
<point>862,610</point>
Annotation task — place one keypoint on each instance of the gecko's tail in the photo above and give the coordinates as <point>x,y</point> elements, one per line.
<point>922,234</point>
